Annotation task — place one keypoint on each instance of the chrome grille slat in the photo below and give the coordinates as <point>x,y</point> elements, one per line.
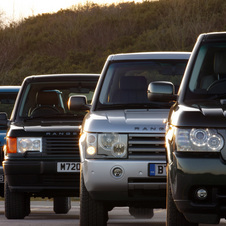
<point>146,142</point>
<point>147,149</point>
<point>147,135</point>
<point>141,145</point>
<point>61,145</point>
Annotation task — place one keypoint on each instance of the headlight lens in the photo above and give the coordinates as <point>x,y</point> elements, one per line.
<point>29,144</point>
<point>203,140</point>
<point>106,140</point>
<point>106,145</point>
<point>118,150</point>
<point>112,144</point>
<point>199,137</point>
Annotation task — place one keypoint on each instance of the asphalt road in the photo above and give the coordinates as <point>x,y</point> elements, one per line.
<point>42,215</point>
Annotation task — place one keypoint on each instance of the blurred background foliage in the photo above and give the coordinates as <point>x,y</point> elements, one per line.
<point>79,39</point>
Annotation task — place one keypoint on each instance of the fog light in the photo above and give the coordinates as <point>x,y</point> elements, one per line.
<point>91,150</point>
<point>201,193</point>
<point>117,172</point>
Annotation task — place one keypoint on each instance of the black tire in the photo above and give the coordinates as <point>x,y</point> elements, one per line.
<point>15,204</point>
<point>2,176</point>
<point>61,205</point>
<point>92,212</point>
<point>2,190</point>
<point>139,212</point>
<point>173,216</point>
<point>27,205</point>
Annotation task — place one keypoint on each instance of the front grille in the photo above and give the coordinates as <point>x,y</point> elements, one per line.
<point>61,145</point>
<point>146,145</point>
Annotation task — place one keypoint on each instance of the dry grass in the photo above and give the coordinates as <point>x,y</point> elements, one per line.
<point>80,39</point>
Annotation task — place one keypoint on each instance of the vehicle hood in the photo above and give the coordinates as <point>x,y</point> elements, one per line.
<point>50,128</point>
<point>41,128</point>
<point>45,123</point>
<point>124,121</point>
<point>198,116</point>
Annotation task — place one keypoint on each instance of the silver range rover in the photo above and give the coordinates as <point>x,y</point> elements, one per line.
<point>122,144</point>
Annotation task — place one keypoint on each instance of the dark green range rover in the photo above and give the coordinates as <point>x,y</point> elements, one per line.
<point>42,154</point>
<point>195,138</point>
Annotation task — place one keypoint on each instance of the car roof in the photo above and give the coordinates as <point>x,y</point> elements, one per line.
<point>10,89</point>
<point>216,36</point>
<point>151,56</point>
<point>60,77</point>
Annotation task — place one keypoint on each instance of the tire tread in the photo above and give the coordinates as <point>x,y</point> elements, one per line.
<point>92,212</point>
<point>15,204</point>
<point>61,205</point>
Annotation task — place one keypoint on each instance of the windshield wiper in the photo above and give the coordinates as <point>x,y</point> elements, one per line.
<point>135,105</point>
<point>40,118</point>
<point>218,96</point>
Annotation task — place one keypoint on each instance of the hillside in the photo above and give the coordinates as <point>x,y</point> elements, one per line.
<point>79,39</point>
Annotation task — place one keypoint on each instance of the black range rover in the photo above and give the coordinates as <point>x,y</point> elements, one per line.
<point>42,154</point>
<point>195,138</point>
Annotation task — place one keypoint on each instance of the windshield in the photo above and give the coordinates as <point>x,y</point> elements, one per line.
<point>7,101</point>
<point>126,83</point>
<point>49,99</point>
<point>208,78</point>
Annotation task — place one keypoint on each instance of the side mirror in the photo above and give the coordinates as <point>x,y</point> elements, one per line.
<point>4,119</point>
<point>161,91</point>
<point>78,102</point>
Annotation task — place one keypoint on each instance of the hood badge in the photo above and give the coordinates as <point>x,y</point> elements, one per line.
<point>61,134</point>
<point>152,128</point>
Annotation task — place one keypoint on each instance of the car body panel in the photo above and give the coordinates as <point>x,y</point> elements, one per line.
<point>201,108</point>
<point>9,94</point>
<point>44,172</point>
<point>142,124</point>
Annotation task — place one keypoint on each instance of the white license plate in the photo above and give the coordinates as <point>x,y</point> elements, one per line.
<point>68,167</point>
<point>157,170</point>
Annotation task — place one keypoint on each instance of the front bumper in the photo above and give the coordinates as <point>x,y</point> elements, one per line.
<point>41,178</point>
<point>133,185</point>
<point>188,175</point>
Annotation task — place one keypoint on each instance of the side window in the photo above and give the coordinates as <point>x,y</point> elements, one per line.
<point>42,99</point>
<point>7,101</point>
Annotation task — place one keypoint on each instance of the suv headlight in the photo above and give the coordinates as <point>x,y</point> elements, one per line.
<point>106,145</point>
<point>200,139</point>
<point>29,144</point>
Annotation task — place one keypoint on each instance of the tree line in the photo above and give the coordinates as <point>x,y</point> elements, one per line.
<point>78,40</point>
